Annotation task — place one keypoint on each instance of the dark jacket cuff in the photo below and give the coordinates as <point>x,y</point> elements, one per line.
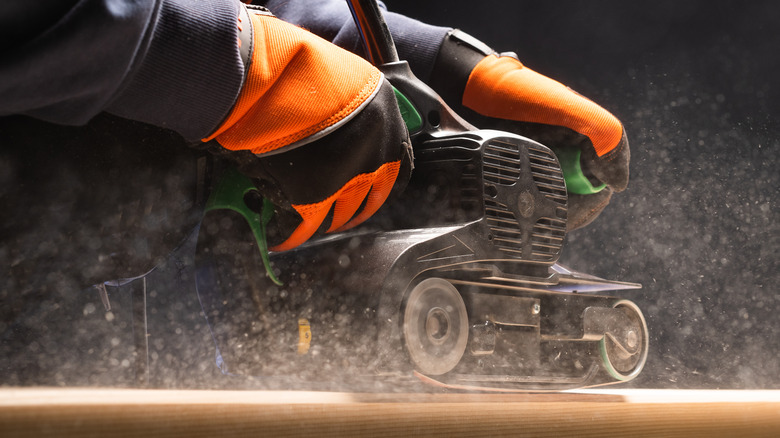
<point>191,73</point>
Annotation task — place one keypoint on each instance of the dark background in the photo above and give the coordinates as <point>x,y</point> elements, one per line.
<point>694,82</point>
<point>697,86</point>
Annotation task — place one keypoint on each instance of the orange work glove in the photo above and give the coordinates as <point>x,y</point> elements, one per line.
<point>318,127</point>
<point>498,92</point>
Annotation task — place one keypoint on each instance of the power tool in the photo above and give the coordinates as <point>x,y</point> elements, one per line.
<point>456,284</point>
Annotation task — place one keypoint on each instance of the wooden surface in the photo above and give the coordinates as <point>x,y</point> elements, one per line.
<point>41,412</point>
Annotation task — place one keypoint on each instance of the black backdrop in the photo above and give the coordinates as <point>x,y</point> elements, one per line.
<point>696,84</point>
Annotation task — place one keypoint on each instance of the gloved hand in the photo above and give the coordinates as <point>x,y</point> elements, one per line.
<point>495,91</point>
<point>318,127</point>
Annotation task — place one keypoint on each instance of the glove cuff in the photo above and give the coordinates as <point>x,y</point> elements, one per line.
<point>458,55</point>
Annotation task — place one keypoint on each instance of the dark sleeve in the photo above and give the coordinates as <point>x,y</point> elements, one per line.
<point>171,63</point>
<point>416,42</point>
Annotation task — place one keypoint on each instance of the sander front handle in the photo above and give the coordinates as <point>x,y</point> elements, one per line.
<point>374,32</point>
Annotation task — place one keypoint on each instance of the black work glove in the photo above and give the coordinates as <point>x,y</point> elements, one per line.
<point>496,91</point>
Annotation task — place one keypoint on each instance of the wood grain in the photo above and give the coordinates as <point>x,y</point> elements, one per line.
<point>142,413</point>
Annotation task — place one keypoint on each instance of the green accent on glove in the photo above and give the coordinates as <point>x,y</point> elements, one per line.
<point>229,195</point>
<point>576,181</point>
<point>410,115</point>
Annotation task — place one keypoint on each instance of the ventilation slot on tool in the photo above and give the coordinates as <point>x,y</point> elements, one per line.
<point>547,175</point>
<point>504,228</point>
<point>501,163</point>
<point>547,239</point>
<point>470,192</point>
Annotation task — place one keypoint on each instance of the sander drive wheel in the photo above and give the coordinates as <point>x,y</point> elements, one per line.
<point>435,326</point>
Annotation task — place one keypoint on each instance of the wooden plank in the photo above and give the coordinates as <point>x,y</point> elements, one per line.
<point>40,412</point>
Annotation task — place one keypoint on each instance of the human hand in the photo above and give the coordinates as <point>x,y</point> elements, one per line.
<point>319,129</point>
<point>498,92</point>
